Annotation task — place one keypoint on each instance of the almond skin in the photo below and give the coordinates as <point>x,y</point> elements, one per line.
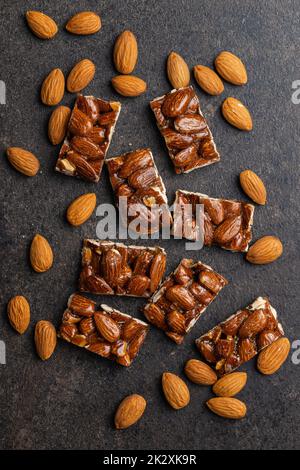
<point>85,22</point>
<point>81,209</point>
<point>41,255</point>
<point>265,250</point>
<point>227,407</point>
<point>45,339</point>
<point>130,410</point>
<point>81,75</point>
<point>271,358</point>
<point>230,385</point>
<point>175,390</point>
<point>41,25</point>
<point>199,372</point>
<point>253,186</point>
<point>23,161</point>
<point>237,114</point>
<point>53,88</point>
<point>129,85</point>
<point>18,311</point>
<point>58,123</point>
<point>231,68</point>
<point>208,80</point>
<point>126,52</point>
<point>178,71</point>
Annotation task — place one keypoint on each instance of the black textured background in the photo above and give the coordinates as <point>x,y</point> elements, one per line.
<point>69,401</point>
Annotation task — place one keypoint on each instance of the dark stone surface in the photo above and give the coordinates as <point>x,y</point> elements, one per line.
<point>69,401</point>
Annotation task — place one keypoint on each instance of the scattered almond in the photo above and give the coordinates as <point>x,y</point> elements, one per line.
<point>53,88</point>
<point>253,186</point>
<point>18,311</point>
<point>130,410</point>
<point>85,22</point>
<point>199,372</point>
<point>178,71</point>
<point>58,123</point>
<point>129,85</point>
<point>175,390</point>
<point>41,25</point>
<point>45,339</point>
<point>41,255</point>
<point>237,114</point>
<point>271,358</point>
<point>231,68</point>
<point>227,407</point>
<point>125,52</point>
<point>265,250</point>
<point>81,75</point>
<point>23,161</point>
<point>81,209</point>
<point>208,80</point>
<point>230,385</point>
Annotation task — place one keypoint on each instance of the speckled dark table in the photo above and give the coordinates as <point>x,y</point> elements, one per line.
<point>69,401</point>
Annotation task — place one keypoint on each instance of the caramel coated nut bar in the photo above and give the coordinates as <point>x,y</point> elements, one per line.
<point>183,297</point>
<point>241,336</point>
<point>227,223</point>
<point>134,176</point>
<point>114,268</point>
<point>89,134</point>
<point>187,135</point>
<point>104,330</point>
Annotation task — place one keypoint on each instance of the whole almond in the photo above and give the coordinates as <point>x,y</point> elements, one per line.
<point>199,372</point>
<point>85,22</point>
<point>81,209</point>
<point>208,80</point>
<point>53,88</point>
<point>130,410</point>
<point>18,311</point>
<point>129,85</point>
<point>265,250</point>
<point>58,123</point>
<point>230,385</point>
<point>178,71</point>
<point>231,68</point>
<point>23,161</point>
<point>45,339</point>
<point>41,255</point>
<point>81,75</point>
<point>271,358</point>
<point>41,25</point>
<point>125,52</point>
<point>175,390</point>
<point>227,407</point>
<point>237,114</point>
<point>253,186</point>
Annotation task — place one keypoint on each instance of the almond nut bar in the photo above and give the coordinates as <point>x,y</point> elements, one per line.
<point>104,330</point>
<point>134,176</point>
<point>187,136</point>
<point>116,269</point>
<point>89,134</point>
<point>183,297</point>
<point>227,223</point>
<point>239,338</point>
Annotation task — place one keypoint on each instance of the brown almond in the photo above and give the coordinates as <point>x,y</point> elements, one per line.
<point>175,390</point>
<point>81,209</point>
<point>237,114</point>
<point>85,22</point>
<point>230,385</point>
<point>18,311</point>
<point>130,410</point>
<point>231,68</point>
<point>53,88</point>
<point>58,123</point>
<point>129,85</point>
<point>253,186</point>
<point>41,255</point>
<point>45,339</point>
<point>107,327</point>
<point>271,358</point>
<point>43,26</point>
<point>178,71</point>
<point>81,75</point>
<point>23,161</point>
<point>265,250</point>
<point>208,80</point>
<point>227,407</point>
<point>125,52</point>
<point>199,372</point>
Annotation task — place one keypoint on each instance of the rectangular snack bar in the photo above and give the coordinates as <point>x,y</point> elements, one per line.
<point>104,330</point>
<point>89,134</point>
<point>183,297</point>
<point>242,336</point>
<point>134,176</point>
<point>187,136</point>
<point>114,268</point>
<point>227,223</point>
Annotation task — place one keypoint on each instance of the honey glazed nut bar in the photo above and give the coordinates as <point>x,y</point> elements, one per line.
<point>187,136</point>
<point>89,134</point>
<point>183,297</point>
<point>114,268</point>
<point>227,223</point>
<point>242,336</point>
<point>104,331</point>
